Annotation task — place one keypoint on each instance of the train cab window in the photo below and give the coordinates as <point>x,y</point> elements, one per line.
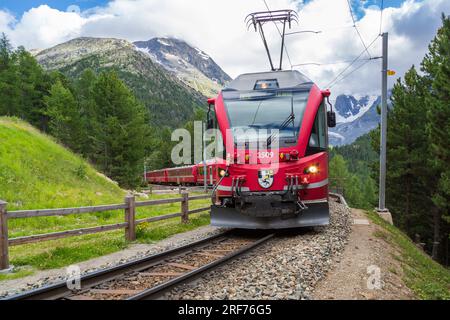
<point>213,124</point>
<point>212,119</point>
<point>318,141</point>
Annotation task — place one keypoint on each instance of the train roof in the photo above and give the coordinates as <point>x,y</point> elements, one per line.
<point>285,79</point>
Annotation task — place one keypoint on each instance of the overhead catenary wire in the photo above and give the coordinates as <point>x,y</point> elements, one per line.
<point>279,31</point>
<point>357,30</point>
<point>303,31</point>
<point>353,62</point>
<point>341,76</point>
<point>319,64</point>
<point>350,73</point>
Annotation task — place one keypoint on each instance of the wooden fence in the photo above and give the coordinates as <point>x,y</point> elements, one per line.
<point>129,206</point>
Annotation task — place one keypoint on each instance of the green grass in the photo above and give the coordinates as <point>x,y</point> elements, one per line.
<point>426,278</point>
<point>18,273</point>
<point>38,173</point>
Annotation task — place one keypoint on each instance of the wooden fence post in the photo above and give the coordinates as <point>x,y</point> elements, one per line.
<point>130,218</point>
<point>4,255</point>
<point>185,207</point>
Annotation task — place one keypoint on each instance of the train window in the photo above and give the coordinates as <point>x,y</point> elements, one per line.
<point>257,115</point>
<point>318,140</point>
<point>212,120</point>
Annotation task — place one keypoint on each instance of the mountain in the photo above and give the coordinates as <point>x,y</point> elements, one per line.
<point>170,101</point>
<point>356,116</point>
<point>191,65</point>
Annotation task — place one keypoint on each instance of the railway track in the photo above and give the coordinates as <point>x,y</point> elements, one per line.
<point>149,278</point>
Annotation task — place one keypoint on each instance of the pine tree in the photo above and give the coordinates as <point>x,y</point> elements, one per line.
<point>436,66</point>
<point>33,84</point>
<point>121,130</point>
<point>338,173</point>
<point>162,145</point>
<point>5,52</point>
<point>9,79</point>
<point>65,119</point>
<point>84,93</point>
<point>407,171</point>
<point>343,181</point>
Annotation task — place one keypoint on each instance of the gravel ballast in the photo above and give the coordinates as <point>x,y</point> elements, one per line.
<point>287,267</point>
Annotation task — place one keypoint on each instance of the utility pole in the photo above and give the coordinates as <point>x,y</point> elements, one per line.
<point>145,170</point>
<point>382,210</point>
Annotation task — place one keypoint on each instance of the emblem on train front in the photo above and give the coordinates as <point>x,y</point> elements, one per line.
<point>265,178</point>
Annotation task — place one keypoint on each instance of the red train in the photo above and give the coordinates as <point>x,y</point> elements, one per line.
<point>275,180</point>
<point>188,175</point>
<point>289,192</point>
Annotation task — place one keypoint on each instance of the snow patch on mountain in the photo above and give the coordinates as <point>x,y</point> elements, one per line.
<point>202,54</point>
<point>336,136</point>
<point>164,42</point>
<point>351,108</point>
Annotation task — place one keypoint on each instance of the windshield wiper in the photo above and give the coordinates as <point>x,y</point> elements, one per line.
<point>285,124</point>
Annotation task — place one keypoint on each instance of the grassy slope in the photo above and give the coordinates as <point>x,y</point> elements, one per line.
<point>428,279</point>
<point>37,173</point>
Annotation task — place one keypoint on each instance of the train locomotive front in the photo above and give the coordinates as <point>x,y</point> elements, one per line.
<point>274,174</point>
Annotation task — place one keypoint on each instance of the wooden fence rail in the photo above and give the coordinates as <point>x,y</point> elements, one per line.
<point>129,206</point>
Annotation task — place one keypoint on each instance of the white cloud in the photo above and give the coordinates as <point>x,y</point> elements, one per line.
<point>6,19</point>
<point>217,27</point>
<point>43,27</point>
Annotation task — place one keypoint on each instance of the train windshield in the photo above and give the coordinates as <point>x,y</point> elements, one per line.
<point>258,113</point>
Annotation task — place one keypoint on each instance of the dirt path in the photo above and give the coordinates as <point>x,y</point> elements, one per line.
<point>356,273</point>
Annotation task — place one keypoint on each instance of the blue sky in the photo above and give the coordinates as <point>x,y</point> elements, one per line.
<point>18,7</point>
<point>411,24</point>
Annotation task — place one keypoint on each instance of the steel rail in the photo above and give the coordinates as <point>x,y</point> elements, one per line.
<point>89,281</point>
<point>160,290</point>
<point>60,289</point>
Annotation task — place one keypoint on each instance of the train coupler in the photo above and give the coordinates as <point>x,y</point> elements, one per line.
<point>302,206</point>
<point>236,185</point>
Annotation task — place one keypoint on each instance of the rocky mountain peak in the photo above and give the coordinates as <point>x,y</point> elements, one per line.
<point>192,65</point>
<point>79,48</point>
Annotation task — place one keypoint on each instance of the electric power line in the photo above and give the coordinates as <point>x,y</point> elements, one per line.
<point>285,46</point>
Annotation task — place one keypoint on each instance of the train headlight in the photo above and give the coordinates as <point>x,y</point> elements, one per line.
<point>223,173</point>
<point>312,169</point>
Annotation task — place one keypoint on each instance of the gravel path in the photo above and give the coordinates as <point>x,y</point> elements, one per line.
<point>44,278</point>
<point>287,267</point>
<point>364,256</point>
